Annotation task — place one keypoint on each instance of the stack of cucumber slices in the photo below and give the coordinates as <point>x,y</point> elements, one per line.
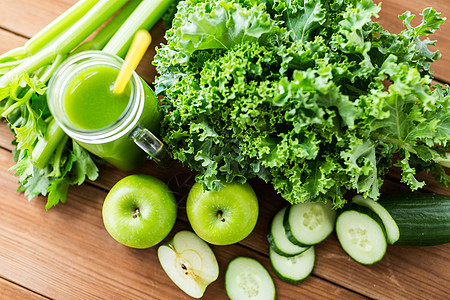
<point>292,235</point>
<point>364,227</point>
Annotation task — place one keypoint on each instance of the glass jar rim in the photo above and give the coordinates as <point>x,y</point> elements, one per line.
<point>62,78</point>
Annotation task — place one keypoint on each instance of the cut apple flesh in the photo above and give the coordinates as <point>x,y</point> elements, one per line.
<point>189,262</point>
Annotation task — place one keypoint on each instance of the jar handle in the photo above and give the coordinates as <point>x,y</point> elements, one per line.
<point>148,142</point>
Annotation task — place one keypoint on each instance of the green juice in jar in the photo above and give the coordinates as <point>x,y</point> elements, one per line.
<point>91,105</point>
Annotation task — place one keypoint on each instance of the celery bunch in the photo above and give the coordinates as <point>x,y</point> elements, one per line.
<point>48,161</point>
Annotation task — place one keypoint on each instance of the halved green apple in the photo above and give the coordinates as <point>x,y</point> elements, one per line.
<point>189,262</point>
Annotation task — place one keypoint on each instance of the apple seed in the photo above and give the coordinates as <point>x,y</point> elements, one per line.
<point>188,271</point>
<point>183,266</point>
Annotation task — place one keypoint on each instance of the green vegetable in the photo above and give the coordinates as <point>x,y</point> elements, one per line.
<point>309,223</point>
<point>246,278</point>
<point>46,144</point>
<point>361,234</point>
<point>143,17</point>
<point>294,269</point>
<point>294,92</point>
<point>100,40</point>
<point>48,162</point>
<point>278,240</point>
<point>391,227</point>
<point>167,17</point>
<point>52,30</point>
<point>422,219</point>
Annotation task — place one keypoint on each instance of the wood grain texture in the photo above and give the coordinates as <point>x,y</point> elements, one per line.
<point>400,270</point>
<point>26,17</point>
<point>404,273</point>
<point>66,253</point>
<point>10,41</point>
<point>6,136</point>
<point>12,291</point>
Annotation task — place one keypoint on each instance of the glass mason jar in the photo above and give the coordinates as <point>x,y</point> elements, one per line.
<point>126,142</point>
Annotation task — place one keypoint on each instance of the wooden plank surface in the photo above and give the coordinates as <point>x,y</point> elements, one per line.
<point>26,17</point>
<point>66,253</point>
<point>12,291</point>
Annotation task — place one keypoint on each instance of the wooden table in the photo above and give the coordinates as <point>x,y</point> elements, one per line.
<point>66,253</point>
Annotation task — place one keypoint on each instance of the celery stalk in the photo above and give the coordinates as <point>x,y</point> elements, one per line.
<point>57,160</point>
<point>71,38</point>
<point>104,35</point>
<point>143,17</point>
<point>95,17</point>
<point>52,30</point>
<point>47,144</point>
<point>7,66</point>
<point>53,54</point>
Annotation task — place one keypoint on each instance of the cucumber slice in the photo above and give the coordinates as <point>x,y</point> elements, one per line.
<point>277,237</point>
<point>246,278</point>
<point>309,223</point>
<point>293,269</point>
<point>361,234</point>
<point>392,231</point>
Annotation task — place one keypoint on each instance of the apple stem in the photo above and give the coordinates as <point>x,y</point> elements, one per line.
<point>137,212</point>
<point>219,215</point>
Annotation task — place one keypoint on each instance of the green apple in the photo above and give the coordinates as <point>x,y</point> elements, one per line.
<point>189,262</point>
<point>139,211</point>
<point>224,217</point>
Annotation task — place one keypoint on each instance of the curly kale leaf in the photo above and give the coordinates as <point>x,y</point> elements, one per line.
<point>220,25</point>
<point>301,20</point>
<point>311,96</point>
